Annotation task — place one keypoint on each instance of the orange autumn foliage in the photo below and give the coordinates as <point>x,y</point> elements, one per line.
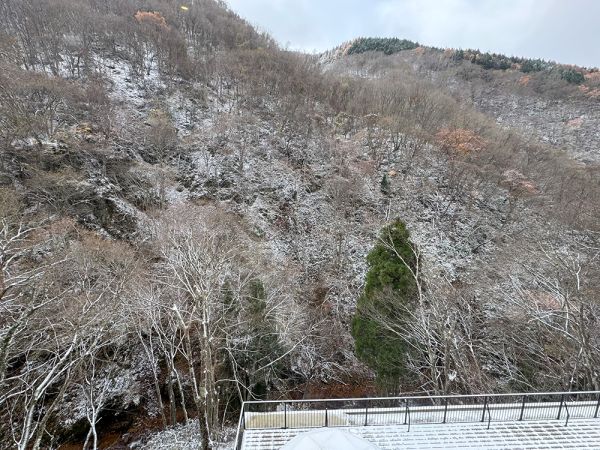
<point>524,80</point>
<point>459,140</point>
<point>420,50</point>
<point>518,184</point>
<point>151,18</point>
<point>592,76</point>
<point>590,92</point>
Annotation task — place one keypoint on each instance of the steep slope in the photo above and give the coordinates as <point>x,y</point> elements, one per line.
<point>187,210</point>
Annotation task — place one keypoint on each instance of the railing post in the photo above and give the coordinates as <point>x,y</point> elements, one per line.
<point>326,419</point>
<point>239,437</point>
<point>284,415</point>
<point>522,408</point>
<point>597,408</point>
<point>485,400</point>
<point>562,399</point>
<point>367,414</point>
<point>445,409</point>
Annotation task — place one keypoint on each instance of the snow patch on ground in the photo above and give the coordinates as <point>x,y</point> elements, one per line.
<point>185,437</point>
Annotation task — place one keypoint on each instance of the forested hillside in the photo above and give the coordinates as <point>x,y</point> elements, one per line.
<point>191,216</point>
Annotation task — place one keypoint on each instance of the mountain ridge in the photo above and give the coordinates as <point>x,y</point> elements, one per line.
<point>393,45</point>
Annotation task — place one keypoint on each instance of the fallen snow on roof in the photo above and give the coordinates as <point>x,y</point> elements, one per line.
<point>328,439</point>
<point>529,435</point>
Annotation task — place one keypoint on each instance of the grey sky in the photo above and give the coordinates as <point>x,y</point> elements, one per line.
<point>567,31</point>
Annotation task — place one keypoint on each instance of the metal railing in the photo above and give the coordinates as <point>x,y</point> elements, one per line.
<point>404,411</point>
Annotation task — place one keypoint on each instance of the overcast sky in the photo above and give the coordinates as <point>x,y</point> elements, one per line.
<point>566,31</point>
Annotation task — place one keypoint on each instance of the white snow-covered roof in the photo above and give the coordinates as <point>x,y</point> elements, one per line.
<point>328,439</point>
<point>526,435</point>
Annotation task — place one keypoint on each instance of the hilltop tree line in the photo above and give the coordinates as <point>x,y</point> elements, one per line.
<point>487,60</point>
<point>388,46</point>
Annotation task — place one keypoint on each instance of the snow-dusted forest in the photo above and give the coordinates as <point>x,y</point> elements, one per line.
<point>192,216</point>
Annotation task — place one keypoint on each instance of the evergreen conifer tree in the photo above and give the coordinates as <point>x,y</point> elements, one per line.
<point>389,277</point>
<point>385,185</point>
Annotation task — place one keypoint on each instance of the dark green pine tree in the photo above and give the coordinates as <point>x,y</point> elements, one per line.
<point>385,185</point>
<point>389,288</point>
<point>263,345</point>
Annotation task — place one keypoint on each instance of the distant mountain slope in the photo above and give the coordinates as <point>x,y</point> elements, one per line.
<point>389,46</point>
<point>562,109</point>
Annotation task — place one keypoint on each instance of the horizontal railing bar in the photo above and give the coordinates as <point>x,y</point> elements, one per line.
<point>422,397</point>
<point>497,407</point>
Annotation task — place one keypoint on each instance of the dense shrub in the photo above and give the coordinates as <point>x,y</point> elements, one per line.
<point>534,65</point>
<point>572,75</point>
